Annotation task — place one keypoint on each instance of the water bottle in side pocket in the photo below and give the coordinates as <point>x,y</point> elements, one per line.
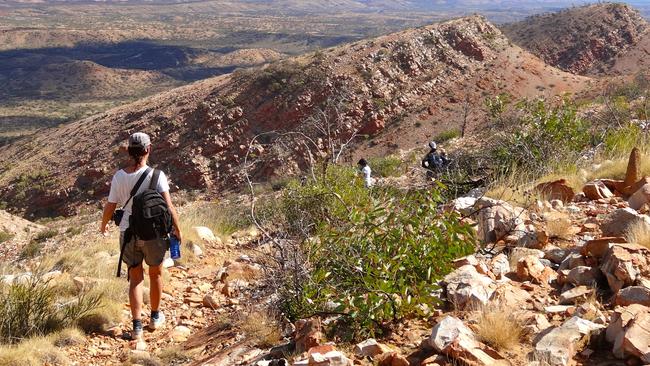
<point>174,247</point>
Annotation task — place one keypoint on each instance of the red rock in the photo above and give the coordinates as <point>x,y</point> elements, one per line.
<point>624,263</point>
<point>392,359</point>
<point>308,334</point>
<point>598,247</point>
<point>556,190</point>
<point>596,190</point>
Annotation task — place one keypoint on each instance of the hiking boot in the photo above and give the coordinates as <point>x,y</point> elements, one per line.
<point>137,334</point>
<point>157,322</point>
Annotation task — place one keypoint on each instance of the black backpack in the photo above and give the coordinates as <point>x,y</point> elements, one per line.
<point>150,217</point>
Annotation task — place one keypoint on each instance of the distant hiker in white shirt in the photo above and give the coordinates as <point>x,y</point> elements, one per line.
<point>133,250</point>
<point>366,172</point>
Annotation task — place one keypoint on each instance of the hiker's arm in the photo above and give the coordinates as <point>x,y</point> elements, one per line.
<point>172,210</point>
<point>109,208</point>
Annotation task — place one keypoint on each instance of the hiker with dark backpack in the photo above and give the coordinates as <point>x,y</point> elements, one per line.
<point>146,220</point>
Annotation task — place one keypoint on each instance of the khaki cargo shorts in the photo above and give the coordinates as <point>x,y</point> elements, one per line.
<point>152,251</point>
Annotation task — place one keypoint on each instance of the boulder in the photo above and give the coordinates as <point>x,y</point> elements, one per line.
<point>629,331</point>
<point>392,359</point>
<point>596,190</point>
<point>556,255</point>
<point>640,198</point>
<point>560,345</point>
<point>181,333</point>
<point>195,249</point>
<point>532,237</point>
<point>598,247</point>
<point>205,234</point>
<point>633,295</point>
<point>584,276</point>
<point>523,252</point>
<point>308,334</point>
<point>500,265</point>
<point>452,338</point>
<point>211,301</point>
<point>624,264</point>
<point>575,295</point>
<point>463,205</point>
<point>529,268</point>
<point>332,358</point>
<point>466,287</point>
<point>572,261</point>
<point>370,348</point>
<point>620,221</point>
<point>535,323</point>
<point>556,190</point>
<point>511,296</point>
<point>498,219</point>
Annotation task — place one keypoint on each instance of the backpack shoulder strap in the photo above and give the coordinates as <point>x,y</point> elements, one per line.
<point>137,185</point>
<point>154,179</point>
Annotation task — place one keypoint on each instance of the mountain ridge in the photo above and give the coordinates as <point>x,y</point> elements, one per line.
<point>391,84</point>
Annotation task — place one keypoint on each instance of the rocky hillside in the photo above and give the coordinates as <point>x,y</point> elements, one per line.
<point>85,80</point>
<point>420,81</point>
<point>595,39</point>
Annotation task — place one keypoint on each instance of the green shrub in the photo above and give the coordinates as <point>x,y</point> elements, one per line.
<point>383,263</point>
<point>324,202</point>
<point>44,235</point>
<point>539,136</point>
<point>446,136</point>
<point>388,166</point>
<point>622,140</point>
<point>30,308</point>
<point>31,249</point>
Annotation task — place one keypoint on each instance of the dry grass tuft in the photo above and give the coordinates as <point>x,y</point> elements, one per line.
<point>498,326</point>
<point>261,328</point>
<point>558,225</point>
<point>35,351</point>
<point>174,356</point>
<point>639,234</point>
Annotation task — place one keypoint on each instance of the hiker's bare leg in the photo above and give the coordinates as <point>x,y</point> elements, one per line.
<point>155,281</point>
<point>135,291</point>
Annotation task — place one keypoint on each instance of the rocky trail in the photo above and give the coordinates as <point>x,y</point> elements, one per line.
<point>564,271</point>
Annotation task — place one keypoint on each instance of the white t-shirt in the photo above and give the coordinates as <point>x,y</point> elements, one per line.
<point>367,179</point>
<point>121,187</point>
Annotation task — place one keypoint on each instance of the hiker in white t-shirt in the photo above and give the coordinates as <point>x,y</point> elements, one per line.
<point>366,172</point>
<point>136,251</point>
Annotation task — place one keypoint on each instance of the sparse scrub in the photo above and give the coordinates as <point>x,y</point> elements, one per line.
<point>44,235</point>
<point>261,329</point>
<point>388,166</point>
<point>31,249</point>
<point>5,236</point>
<point>639,234</point>
<point>498,326</point>
<point>446,136</point>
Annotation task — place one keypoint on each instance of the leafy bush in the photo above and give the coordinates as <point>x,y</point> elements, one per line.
<point>325,202</point>
<point>29,308</point>
<point>381,263</point>
<point>539,136</point>
<point>446,136</point>
<point>388,166</point>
